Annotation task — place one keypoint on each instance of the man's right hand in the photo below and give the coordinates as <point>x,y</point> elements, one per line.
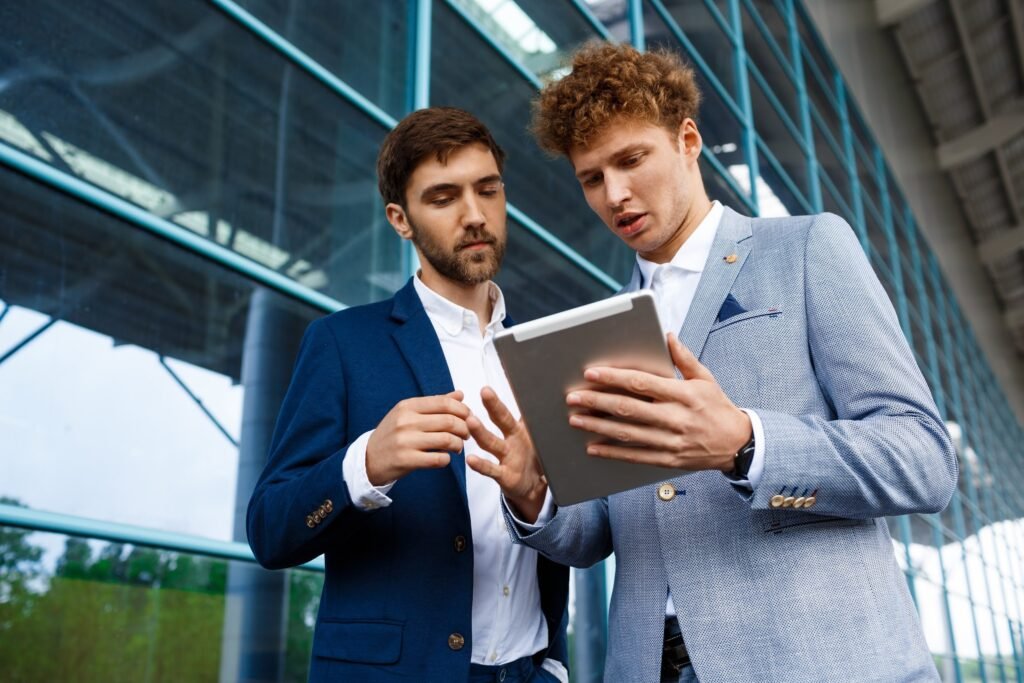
<point>416,434</point>
<point>518,471</point>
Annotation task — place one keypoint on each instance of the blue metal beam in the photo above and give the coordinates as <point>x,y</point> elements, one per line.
<point>806,125</point>
<point>599,27</point>
<point>139,217</point>
<point>743,85</point>
<point>195,399</point>
<point>27,340</point>
<point>73,525</point>
<point>636,24</point>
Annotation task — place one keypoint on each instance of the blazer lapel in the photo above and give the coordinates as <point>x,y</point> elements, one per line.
<point>728,252</point>
<point>422,351</point>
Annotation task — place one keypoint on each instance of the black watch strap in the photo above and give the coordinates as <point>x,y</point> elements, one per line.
<point>744,457</point>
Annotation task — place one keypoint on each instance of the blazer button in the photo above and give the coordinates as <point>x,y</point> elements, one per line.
<point>323,511</point>
<point>776,501</point>
<point>310,522</point>
<point>788,502</point>
<point>328,505</point>
<point>456,641</point>
<point>799,502</point>
<point>460,545</point>
<point>810,501</point>
<point>666,491</point>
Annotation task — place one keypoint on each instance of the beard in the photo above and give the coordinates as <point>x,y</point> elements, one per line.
<point>458,264</point>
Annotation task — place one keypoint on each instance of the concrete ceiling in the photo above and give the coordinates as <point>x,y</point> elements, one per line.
<point>966,61</point>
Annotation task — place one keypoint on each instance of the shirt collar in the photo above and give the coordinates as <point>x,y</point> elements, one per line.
<point>694,252</point>
<point>451,317</point>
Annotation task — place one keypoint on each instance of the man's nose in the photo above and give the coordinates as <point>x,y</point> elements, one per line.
<point>473,215</point>
<point>617,190</point>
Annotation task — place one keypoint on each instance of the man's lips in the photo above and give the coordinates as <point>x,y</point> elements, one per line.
<point>475,246</point>
<point>630,223</point>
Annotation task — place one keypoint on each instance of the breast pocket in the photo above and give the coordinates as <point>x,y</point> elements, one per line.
<point>761,315</point>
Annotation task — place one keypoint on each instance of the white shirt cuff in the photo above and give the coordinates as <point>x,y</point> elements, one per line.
<point>757,464</point>
<point>363,494</point>
<point>547,511</point>
<point>556,669</point>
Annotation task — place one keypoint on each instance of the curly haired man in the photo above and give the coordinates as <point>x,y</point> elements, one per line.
<point>799,412</point>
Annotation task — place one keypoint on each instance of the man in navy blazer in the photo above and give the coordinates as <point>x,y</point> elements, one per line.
<point>367,463</point>
<point>799,412</point>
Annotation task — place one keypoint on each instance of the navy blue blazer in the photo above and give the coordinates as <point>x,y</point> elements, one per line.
<point>399,580</point>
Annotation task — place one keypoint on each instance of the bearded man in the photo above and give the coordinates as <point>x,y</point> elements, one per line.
<point>367,463</point>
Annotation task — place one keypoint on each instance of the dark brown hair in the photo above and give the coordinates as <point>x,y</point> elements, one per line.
<point>608,82</point>
<point>436,131</point>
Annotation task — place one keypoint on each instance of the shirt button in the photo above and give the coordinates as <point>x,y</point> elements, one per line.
<point>505,591</point>
<point>494,656</point>
<point>666,491</point>
<point>456,641</point>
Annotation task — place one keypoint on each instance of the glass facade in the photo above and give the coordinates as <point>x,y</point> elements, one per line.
<point>187,184</point>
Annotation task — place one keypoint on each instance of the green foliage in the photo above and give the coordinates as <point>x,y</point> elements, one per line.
<point>125,613</point>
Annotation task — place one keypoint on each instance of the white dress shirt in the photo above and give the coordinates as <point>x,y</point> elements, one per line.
<point>507,620</point>
<point>674,285</point>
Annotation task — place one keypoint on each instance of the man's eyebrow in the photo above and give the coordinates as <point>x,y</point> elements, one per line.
<point>448,187</point>
<point>625,150</point>
<point>439,187</point>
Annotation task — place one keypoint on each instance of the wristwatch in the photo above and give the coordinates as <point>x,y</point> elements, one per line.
<point>744,457</point>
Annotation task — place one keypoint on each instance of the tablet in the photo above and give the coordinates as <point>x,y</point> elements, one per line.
<point>544,360</point>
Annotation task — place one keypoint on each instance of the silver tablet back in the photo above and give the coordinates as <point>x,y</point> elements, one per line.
<point>544,360</point>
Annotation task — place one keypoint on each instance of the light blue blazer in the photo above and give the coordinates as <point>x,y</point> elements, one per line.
<point>767,593</point>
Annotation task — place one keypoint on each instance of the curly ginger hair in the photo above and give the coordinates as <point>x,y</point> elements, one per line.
<point>612,82</point>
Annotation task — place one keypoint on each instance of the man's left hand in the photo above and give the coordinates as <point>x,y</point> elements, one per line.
<point>687,424</point>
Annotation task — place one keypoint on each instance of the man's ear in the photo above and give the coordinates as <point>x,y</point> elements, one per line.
<point>399,220</point>
<point>689,139</point>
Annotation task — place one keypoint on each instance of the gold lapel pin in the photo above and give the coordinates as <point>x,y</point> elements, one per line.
<point>731,258</point>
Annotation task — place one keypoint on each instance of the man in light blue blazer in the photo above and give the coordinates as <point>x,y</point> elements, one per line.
<point>799,410</point>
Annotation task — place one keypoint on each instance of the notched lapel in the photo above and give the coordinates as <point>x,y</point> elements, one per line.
<point>729,251</point>
<point>422,351</point>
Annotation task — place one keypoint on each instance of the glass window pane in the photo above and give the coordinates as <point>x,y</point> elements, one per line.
<point>773,15</point>
<point>831,158</point>
<point>720,129</point>
<point>175,108</point>
<point>538,33</point>
<point>781,195</point>
<point>537,281</point>
<point>365,44</point>
<point>137,384</point>
<point>116,612</point>
<point>771,65</point>
<point>876,231</point>
<point>718,188</point>
<point>714,46</point>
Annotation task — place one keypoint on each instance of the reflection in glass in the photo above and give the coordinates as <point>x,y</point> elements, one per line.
<point>695,20</point>
<point>180,111</point>
<point>113,612</point>
<point>365,44</point>
<point>137,384</point>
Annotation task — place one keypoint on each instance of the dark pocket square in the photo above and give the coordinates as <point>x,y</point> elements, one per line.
<point>730,308</point>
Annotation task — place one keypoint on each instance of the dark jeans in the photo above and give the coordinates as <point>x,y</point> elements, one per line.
<point>520,671</point>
